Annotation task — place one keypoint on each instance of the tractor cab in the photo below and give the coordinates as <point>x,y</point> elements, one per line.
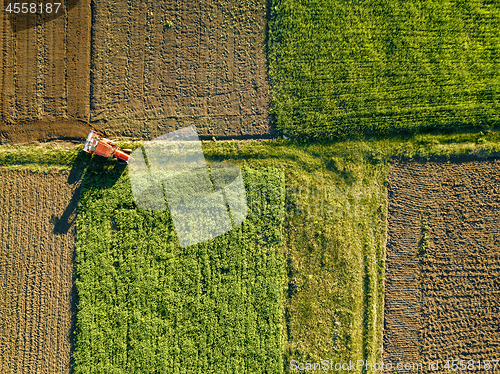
<point>95,143</point>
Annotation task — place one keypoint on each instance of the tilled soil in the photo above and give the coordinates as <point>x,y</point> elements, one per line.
<point>37,243</point>
<point>136,69</point>
<point>163,65</point>
<point>45,66</point>
<point>43,131</point>
<point>442,299</point>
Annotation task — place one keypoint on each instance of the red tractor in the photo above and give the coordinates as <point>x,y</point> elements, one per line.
<point>95,143</point>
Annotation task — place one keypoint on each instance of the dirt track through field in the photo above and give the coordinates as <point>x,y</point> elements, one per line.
<point>41,131</point>
<point>443,302</point>
<point>163,65</point>
<point>37,242</point>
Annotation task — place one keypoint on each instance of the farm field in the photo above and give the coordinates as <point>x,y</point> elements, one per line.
<point>378,247</point>
<point>36,132</point>
<point>147,305</point>
<point>332,239</point>
<point>338,69</point>
<point>37,243</point>
<point>335,201</point>
<point>44,68</point>
<point>442,296</point>
<point>143,69</point>
<point>163,65</point>
<point>306,325</point>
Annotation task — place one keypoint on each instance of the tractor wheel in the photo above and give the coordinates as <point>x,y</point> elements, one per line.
<point>127,150</point>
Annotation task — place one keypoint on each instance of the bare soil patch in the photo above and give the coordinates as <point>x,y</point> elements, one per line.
<point>42,131</point>
<point>442,295</point>
<point>37,243</point>
<point>45,69</point>
<point>161,65</point>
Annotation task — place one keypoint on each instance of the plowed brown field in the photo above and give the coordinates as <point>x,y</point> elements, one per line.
<point>161,65</point>
<point>37,240</point>
<point>443,293</point>
<point>45,67</point>
<point>43,131</point>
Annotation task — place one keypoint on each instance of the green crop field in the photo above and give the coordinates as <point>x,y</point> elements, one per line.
<point>146,305</point>
<point>333,237</point>
<point>342,67</point>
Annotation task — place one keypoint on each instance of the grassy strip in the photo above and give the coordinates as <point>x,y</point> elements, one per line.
<point>49,156</point>
<point>334,233</point>
<point>146,305</point>
<point>46,157</point>
<point>42,158</point>
<point>339,68</point>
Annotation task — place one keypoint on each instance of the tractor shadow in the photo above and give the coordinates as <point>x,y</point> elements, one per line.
<point>86,169</point>
<point>84,166</point>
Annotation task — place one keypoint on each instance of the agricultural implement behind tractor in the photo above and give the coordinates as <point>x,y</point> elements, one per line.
<point>98,145</point>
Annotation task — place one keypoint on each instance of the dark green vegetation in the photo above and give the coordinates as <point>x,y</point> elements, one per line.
<point>148,306</point>
<point>342,67</point>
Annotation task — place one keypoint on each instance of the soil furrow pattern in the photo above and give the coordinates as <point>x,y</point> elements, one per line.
<point>36,272</point>
<point>162,65</point>
<point>45,70</point>
<point>442,297</point>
